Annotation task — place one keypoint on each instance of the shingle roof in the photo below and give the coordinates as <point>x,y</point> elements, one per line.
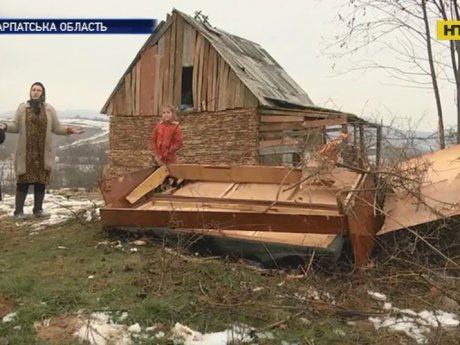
<point>261,74</point>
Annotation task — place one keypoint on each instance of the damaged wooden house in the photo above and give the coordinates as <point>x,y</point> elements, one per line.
<point>246,125</point>
<point>236,104</point>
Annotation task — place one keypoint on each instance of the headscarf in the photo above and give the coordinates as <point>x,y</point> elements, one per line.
<point>35,104</point>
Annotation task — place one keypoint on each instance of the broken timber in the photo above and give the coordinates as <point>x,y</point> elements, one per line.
<point>150,183</point>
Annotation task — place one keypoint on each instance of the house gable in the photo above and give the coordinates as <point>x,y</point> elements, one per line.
<point>190,64</point>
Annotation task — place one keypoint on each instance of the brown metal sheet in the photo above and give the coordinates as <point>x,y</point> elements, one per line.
<point>235,173</point>
<point>439,195</point>
<point>115,189</point>
<point>362,223</point>
<point>314,224</point>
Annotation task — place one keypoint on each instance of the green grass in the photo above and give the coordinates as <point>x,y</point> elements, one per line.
<point>43,280</point>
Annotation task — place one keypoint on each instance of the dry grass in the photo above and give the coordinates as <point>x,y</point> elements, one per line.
<point>46,276</point>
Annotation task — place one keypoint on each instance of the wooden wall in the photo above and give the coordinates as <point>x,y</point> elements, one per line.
<point>291,132</point>
<point>156,77</point>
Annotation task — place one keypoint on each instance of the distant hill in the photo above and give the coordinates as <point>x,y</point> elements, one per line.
<point>66,114</point>
<point>95,134</point>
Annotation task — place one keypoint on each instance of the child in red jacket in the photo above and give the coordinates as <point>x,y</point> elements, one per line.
<point>166,138</point>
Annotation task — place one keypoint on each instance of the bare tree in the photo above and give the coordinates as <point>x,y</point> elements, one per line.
<point>444,7</point>
<point>403,28</point>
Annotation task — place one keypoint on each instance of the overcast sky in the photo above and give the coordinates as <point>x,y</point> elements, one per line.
<point>80,71</point>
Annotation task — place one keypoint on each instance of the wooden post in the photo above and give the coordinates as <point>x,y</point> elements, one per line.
<point>355,144</point>
<point>378,151</point>
<point>362,148</point>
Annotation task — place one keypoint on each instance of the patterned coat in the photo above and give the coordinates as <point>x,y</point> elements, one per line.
<point>18,125</point>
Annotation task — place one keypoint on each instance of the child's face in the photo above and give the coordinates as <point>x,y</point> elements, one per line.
<point>167,114</point>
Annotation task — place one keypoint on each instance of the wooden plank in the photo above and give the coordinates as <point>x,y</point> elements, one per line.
<point>193,45</point>
<point>282,149</point>
<point>239,94</point>
<point>187,53</point>
<point>236,90</point>
<point>196,72</point>
<point>127,92</point>
<point>303,112</point>
<point>324,122</point>
<point>378,152</point>
<point>229,188</point>
<point>133,91</point>
<point>215,74</point>
<point>209,77</point>
<point>285,134</point>
<point>146,82</point>
<point>199,71</point>
<point>204,77</point>
<point>362,146</point>
<point>172,60</point>
<point>277,118</point>
<point>281,127</point>
<point>161,46</point>
<point>115,101</point>
<point>155,84</point>
<point>160,81</point>
<point>165,66</point>
<point>220,87</point>
<point>152,40</point>
<point>249,99</point>
<point>147,185</point>
<point>224,85</point>
<point>110,108</point>
<point>138,87</point>
<point>230,93</point>
<point>178,60</point>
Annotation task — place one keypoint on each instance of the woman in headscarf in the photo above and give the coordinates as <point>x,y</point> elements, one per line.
<point>34,121</point>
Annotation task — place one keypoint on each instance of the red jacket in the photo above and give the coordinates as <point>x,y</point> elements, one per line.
<point>165,140</point>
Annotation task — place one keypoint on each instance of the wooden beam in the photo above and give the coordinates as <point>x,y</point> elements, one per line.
<point>147,185</point>
<point>362,147</point>
<point>178,61</point>
<point>324,122</point>
<point>275,118</point>
<point>297,112</point>
<point>276,127</point>
<point>279,150</point>
<point>278,142</point>
<point>378,152</point>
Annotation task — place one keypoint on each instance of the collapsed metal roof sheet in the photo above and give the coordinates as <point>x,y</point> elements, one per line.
<point>437,197</point>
